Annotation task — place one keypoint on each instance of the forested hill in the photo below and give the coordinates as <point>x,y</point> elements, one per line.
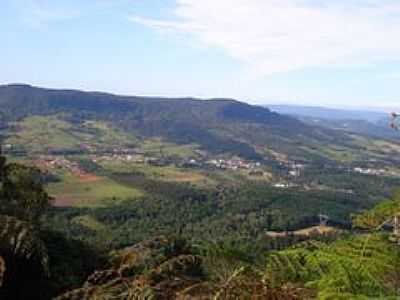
<point>21,100</point>
<point>216,125</point>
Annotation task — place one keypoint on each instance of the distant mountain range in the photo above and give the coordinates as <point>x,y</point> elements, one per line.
<point>219,126</point>
<point>371,123</point>
<point>329,113</point>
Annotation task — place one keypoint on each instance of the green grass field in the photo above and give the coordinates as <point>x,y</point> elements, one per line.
<point>39,134</point>
<point>102,133</point>
<point>167,173</point>
<point>157,147</point>
<point>89,222</point>
<point>96,192</point>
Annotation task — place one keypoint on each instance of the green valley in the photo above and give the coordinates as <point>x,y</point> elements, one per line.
<point>245,200</point>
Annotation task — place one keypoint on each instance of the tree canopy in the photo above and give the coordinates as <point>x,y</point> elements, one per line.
<point>22,193</point>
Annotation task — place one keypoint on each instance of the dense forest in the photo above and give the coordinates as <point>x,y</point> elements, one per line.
<point>177,258</point>
<point>168,228</point>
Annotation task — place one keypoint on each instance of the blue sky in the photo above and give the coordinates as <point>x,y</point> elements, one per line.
<point>315,52</point>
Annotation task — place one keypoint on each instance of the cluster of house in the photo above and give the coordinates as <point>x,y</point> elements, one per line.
<point>58,162</point>
<point>233,164</point>
<point>368,171</point>
<point>93,148</point>
<point>295,170</point>
<point>282,185</point>
<point>291,171</point>
<point>134,158</point>
<point>7,147</point>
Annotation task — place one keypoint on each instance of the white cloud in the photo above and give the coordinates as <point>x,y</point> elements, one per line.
<point>158,24</point>
<point>273,36</point>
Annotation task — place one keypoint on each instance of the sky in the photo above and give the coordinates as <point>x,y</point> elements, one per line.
<point>341,53</point>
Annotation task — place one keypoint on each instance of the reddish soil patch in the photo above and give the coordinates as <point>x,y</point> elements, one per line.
<point>88,178</point>
<point>62,201</point>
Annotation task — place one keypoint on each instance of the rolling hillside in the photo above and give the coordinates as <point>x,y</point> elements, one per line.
<point>218,126</point>
<point>97,152</point>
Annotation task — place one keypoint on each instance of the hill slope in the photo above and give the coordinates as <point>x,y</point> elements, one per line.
<point>218,126</point>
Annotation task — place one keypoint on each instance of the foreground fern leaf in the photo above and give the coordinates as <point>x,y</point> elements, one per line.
<point>364,266</point>
<point>24,260</point>
<point>2,270</point>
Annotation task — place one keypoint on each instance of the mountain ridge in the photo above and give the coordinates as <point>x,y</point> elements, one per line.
<point>183,120</point>
<point>329,113</point>
<point>371,123</point>
<point>219,126</point>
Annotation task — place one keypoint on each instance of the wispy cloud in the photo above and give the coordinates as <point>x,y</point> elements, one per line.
<point>159,24</point>
<point>282,35</point>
